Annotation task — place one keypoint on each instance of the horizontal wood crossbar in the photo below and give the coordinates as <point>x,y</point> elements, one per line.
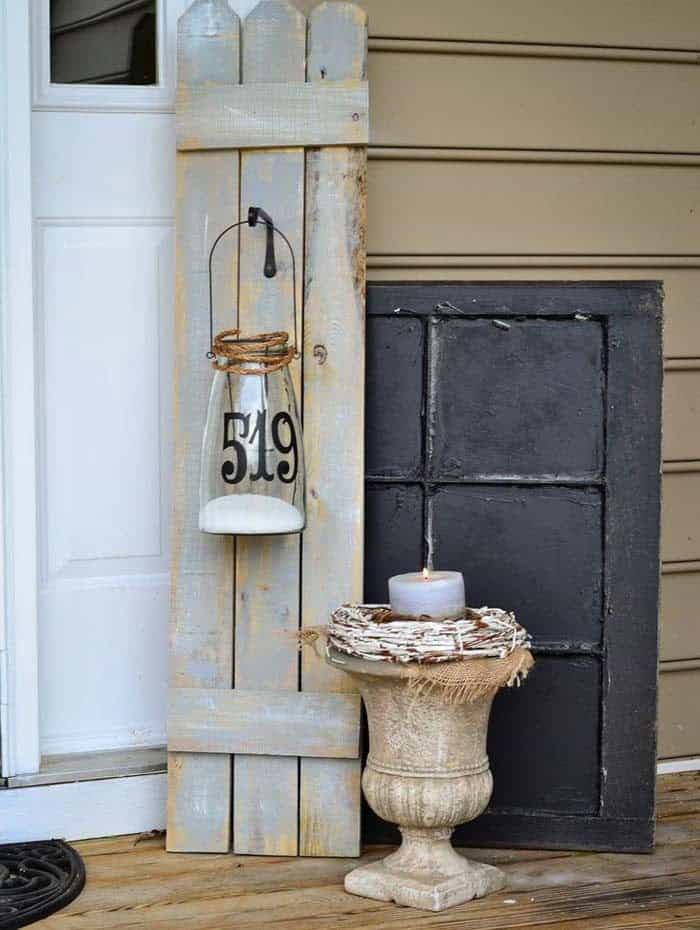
<point>250,116</point>
<point>271,723</point>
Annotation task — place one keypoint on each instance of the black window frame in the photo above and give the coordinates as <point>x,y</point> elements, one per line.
<point>631,314</point>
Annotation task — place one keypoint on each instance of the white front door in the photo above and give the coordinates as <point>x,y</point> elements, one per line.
<point>103,193</point>
<point>103,200</point>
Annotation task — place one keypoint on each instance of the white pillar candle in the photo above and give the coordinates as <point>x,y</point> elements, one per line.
<point>435,594</point>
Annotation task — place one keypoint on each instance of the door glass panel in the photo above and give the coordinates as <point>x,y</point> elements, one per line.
<point>103,42</point>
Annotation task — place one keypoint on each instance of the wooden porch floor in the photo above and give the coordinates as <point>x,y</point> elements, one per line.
<point>133,882</point>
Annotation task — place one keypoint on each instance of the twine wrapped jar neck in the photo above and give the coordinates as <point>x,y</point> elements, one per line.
<point>251,355</point>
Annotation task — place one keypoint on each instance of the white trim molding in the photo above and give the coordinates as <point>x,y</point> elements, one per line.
<point>84,809</point>
<point>678,765</point>
<point>18,613</point>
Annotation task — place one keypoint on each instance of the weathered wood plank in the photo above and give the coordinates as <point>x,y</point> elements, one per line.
<point>115,877</point>
<point>208,44</point>
<point>199,786</point>
<point>129,876</point>
<point>265,797</point>
<point>224,116</point>
<point>273,723</point>
<point>333,413</point>
<point>303,896</point>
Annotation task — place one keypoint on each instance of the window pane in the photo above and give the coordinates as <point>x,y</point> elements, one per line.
<point>103,42</point>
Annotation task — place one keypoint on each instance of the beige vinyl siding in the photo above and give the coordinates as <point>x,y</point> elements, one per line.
<point>680,516</point>
<point>531,208</point>
<point>682,415</point>
<point>558,141</point>
<point>625,23</point>
<point>633,24</point>
<point>680,631</point>
<point>455,100</point>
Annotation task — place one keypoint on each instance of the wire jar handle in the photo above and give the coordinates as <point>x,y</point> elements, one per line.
<point>230,337</point>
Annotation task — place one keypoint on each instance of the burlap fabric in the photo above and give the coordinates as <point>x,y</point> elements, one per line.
<point>462,680</point>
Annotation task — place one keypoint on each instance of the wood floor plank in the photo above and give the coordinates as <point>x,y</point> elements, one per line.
<point>133,883</point>
<point>327,908</point>
<point>678,829</point>
<point>186,881</point>
<point>300,893</point>
<point>675,917</point>
<point>680,794</point>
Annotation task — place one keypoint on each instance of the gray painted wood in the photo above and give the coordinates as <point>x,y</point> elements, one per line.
<point>91,766</point>
<point>333,414</point>
<point>208,44</point>
<point>274,44</point>
<point>337,48</point>
<point>201,654</point>
<point>265,796</point>
<point>219,116</point>
<point>268,723</point>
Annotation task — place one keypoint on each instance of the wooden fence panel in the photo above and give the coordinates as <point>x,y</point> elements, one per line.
<point>237,606</point>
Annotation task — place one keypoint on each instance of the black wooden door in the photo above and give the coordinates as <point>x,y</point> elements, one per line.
<point>515,429</point>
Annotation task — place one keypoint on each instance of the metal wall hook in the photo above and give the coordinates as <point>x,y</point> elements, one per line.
<point>255,214</point>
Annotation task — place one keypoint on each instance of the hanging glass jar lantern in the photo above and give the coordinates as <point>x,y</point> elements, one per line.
<point>252,475</point>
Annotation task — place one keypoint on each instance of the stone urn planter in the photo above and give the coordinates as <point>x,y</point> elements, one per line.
<point>427,771</point>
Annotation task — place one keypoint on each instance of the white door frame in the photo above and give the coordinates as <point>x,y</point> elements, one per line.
<point>19,704</point>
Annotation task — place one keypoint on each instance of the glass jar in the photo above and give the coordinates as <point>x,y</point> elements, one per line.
<point>252,473</point>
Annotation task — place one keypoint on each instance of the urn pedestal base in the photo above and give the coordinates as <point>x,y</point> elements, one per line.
<point>427,771</point>
<point>425,873</point>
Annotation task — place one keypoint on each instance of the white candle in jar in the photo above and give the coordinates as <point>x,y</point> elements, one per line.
<point>250,514</point>
<point>434,594</point>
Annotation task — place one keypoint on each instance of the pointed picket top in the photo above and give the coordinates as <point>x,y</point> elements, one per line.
<point>209,43</point>
<point>274,43</point>
<point>337,48</point>
<point>207,18</point>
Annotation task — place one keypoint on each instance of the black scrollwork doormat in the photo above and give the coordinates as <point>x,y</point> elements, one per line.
<point>37,879</point>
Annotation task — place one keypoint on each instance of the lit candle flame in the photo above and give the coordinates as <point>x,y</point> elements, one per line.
<point>426,574</point>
